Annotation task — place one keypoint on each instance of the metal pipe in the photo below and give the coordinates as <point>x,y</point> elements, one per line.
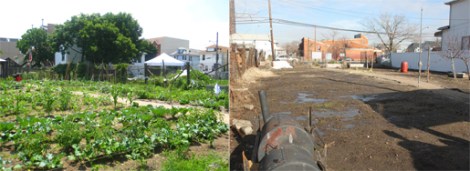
<point>310,123</point>
<point>264,105</point>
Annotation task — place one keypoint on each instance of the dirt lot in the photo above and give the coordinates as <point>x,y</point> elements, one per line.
<point>373,120</point>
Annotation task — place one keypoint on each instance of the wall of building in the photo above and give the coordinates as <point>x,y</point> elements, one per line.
<point>69,56</point>
<point>9,50</point>
<point>169,44</point>
<point>209,60</point>
<point>260,42</point>
<point>459,23</point>
<point>360,54</point>
<point>438,63</point>
<point>357,48</point>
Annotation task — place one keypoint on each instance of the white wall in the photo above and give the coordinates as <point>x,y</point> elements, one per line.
<point>58,58</point>
<point>261,45</point>
<point>316,56</point>
<point>438,63</point>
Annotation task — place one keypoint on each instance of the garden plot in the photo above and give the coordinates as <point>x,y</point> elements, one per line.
<point>45,125</point>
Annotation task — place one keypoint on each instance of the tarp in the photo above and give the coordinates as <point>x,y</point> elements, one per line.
<point>167,59</point>
<point>281,65</point>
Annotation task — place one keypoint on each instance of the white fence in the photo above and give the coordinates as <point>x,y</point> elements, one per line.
<point>438,63</point>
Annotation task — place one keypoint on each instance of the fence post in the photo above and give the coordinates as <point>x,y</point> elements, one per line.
<point>188,77</point>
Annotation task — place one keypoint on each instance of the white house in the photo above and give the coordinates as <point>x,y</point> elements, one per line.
<point>458,31</point>
<point>459,25</point>
<point>209,58</point>
<point>191,55</point>
<point>259,42</point>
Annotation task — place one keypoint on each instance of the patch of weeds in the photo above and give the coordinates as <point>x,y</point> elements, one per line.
<point>180,161</point>
<point>331,105</point>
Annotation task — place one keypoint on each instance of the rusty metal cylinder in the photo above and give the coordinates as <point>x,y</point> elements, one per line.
<point>285,145</point>
<point>288,157</point>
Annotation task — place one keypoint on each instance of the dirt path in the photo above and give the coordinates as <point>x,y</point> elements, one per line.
<point>144,102</point>
<point>373,121</point>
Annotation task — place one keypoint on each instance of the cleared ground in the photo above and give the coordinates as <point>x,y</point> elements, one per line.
<point>372,120</point>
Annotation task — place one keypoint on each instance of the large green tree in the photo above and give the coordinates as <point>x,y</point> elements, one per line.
<point>111,38</point>
<point>42,53</point>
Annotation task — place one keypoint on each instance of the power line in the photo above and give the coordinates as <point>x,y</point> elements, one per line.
<point>329,10</point>
<point>295,23</point>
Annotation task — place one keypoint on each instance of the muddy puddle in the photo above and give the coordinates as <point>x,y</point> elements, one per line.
<point>372,97</point>
<point>344,115</point>
<point>365,98</point>
<point>306,98</point>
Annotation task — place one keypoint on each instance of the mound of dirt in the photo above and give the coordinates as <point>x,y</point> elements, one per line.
<point>254,74</point>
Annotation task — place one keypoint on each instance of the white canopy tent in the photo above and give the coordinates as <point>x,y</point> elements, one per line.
<point>164,59</point>
<point>2,60</point>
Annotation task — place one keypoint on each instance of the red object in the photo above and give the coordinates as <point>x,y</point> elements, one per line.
<point>18,78</point>
<point>404,66</point>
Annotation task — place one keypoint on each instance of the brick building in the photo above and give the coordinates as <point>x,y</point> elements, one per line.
<point>357,49</point>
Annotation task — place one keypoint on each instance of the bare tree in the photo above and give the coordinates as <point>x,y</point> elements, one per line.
<point>466,60</point>
<point>465,57</point>
<point>291,47</point>
<point>391,30</point>
<point>453,50</point>
<point>330,35</point>
<point>337,45</point>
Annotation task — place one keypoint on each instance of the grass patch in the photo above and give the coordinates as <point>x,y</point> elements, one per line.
<point>328,105</point>
<point>181,161</point>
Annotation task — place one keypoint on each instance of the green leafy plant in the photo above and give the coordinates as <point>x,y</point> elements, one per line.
<point>65,98</point>
<point>115,91</point>
<point>68,134</point>
<point>48,98</point>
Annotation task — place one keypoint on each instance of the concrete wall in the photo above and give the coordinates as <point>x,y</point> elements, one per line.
<point>438,63</point>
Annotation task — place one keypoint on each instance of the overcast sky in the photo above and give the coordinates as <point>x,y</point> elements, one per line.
<point>347,14</point>
<point>194,20</point>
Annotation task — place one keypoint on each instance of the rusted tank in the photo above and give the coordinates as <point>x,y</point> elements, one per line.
<point>283,144</point>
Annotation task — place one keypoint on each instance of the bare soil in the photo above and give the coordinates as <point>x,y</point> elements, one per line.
<point>376,120</point>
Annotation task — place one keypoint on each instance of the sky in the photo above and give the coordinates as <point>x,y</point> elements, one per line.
<point>348,14</point>
<point>195,20</point>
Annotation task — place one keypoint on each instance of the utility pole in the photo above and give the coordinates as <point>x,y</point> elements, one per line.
<point>216,55</point>
<point>420,49</point>
<point>271,29</point>
<point>315,37</point>
<point>429,62</point>
<point>233,28</point>
<point>307,51</point>
<point>315,40</point>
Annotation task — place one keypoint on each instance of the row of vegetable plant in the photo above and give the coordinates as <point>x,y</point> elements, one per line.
<point>135,132</point>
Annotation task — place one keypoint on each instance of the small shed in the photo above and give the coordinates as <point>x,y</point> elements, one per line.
<point>9,67</point>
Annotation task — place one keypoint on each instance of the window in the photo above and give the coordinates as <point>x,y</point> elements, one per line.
<point>466,43</point>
